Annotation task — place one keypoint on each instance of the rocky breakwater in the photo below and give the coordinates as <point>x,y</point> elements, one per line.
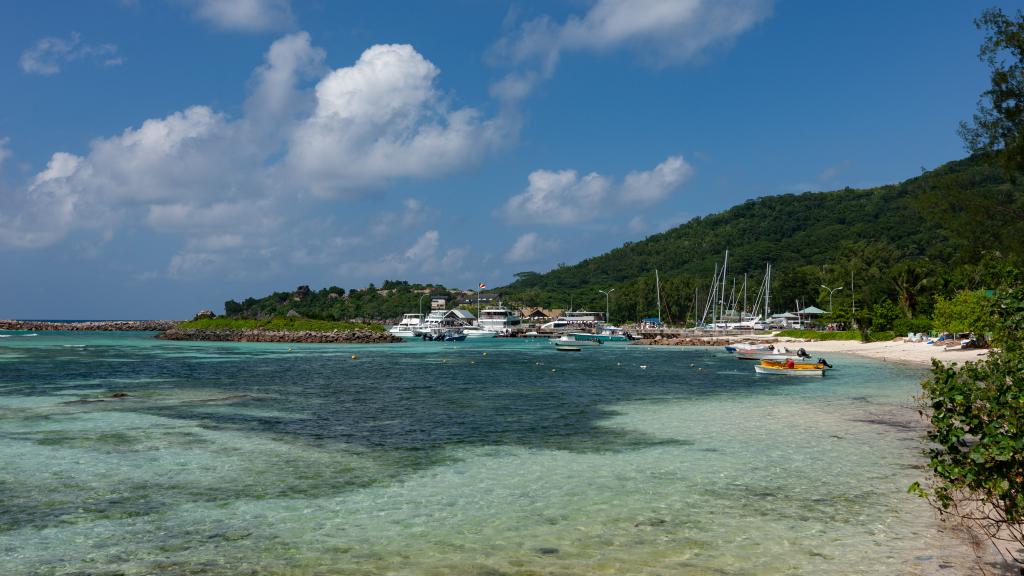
<point>98,326</point>
<point>259,335</point>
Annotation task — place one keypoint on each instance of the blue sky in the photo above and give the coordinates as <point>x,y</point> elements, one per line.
<point>162,156</point>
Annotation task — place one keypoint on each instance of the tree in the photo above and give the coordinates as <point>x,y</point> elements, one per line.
<point>998,124</point>
<point>968,311</point>
<point>910,279</point>
<point>977,417</point>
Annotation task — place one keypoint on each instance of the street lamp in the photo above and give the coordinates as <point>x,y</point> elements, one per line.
<point>421,303</point>
<point>830,291</point>
<point>607,309</point>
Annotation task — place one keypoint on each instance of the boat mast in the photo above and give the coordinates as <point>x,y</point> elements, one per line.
<point>657,291</point>
<point>725,267</point>
<point>744,312</point>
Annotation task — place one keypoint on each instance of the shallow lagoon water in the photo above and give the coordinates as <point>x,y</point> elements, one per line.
<point>432,458</point>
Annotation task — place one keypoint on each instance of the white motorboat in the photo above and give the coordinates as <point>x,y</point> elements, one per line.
<point>779,354</point>
<point>478,332</point>
<point>406,328</point>
<point>499,319</point>
<point>571,340</point>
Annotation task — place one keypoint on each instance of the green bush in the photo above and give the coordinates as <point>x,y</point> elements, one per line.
<point>838,335</point>
<point>904,326</point>
<point>884,314</point>
<point>278,323</point>
<point>968,311</point>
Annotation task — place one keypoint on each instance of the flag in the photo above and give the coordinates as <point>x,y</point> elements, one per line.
<point>482,285</point>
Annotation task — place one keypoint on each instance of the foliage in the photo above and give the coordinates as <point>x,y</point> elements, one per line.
<point>998,125</point>
<point>968,311</point>
<point>977,415</point>
<point>389,302</point>
<point>884,314</point>
<point>915,325</point>
<point>837,335</point>
<point>888,240</point>
<point>277,323</point>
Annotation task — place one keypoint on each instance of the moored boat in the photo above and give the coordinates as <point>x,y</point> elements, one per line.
<point>570,340</point>
<point>792,368</point>
<point>780,353</point>
<point>406,328</point>
<point>478,332</point>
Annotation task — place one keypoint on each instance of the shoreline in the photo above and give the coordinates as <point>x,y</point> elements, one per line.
<point>896,351</point>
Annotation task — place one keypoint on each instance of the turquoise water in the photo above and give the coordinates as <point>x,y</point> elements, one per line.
<point>498,457</point>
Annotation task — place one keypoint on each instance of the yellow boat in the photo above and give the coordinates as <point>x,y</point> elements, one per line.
<point>791,368</point>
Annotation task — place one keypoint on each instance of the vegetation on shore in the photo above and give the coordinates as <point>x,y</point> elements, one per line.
<point>977,410</point>
<point>837,335</point>
<point>389,301</point>
<point>277,324</point>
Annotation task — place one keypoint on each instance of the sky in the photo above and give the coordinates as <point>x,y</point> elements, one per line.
<point>158,157</point>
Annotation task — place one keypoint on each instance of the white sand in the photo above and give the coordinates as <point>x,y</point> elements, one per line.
<point>917,353</point>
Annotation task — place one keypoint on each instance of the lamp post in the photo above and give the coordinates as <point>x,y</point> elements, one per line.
<point>607,309</point>
<point>830,291</point>
<point>421,303</point>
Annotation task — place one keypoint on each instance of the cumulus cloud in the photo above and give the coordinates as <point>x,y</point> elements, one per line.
<point>654,185</point>
<point>245,15</point>
<point>383,118</point>
<point>240,184</point>
<point>528,247</point>
<point>564,197</point>
<point>559,197</point>
<point>661,31</point>
<point>48,54</point>
<point>5,151</point>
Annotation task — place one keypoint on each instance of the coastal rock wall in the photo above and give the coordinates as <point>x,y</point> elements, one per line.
<point>336,337</point>
<point>100,326</point>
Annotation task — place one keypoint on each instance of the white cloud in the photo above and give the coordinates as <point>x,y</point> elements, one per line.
<point>528,247</point>
<point>389,223</point>
<point>383,118</point>
<point>559,197</point>
<point>5,152</point>
<point>48,54</point>
<point>661,31</point>
<point>425,246</point>
<point>648,187</point>
<point>244,184</point>
<point>246,15</point>
<point>564,197</point>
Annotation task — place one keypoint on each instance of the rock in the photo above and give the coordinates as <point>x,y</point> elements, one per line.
<point>100,326</point>
<point>204,314</point>
<point>547,551</point>
<point>119,395</point>
<point>260,335</point>
<point>293,314</point>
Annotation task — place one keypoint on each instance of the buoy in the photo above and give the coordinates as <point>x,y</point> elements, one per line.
<point>354,357</point>
<point>289,349</point>
<point>472,361</point>
<point>485,353</point>
<point>691,365</point>
<point>643,366</point>
<point>552,369</point>
<point>444,361</point>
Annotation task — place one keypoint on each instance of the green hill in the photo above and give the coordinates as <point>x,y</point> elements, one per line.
<point>946,229</point>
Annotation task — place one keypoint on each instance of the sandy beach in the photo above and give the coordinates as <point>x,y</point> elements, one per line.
<point>917,353</point>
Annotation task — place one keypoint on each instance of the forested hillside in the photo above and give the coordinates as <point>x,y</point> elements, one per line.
<point>951,228</point>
